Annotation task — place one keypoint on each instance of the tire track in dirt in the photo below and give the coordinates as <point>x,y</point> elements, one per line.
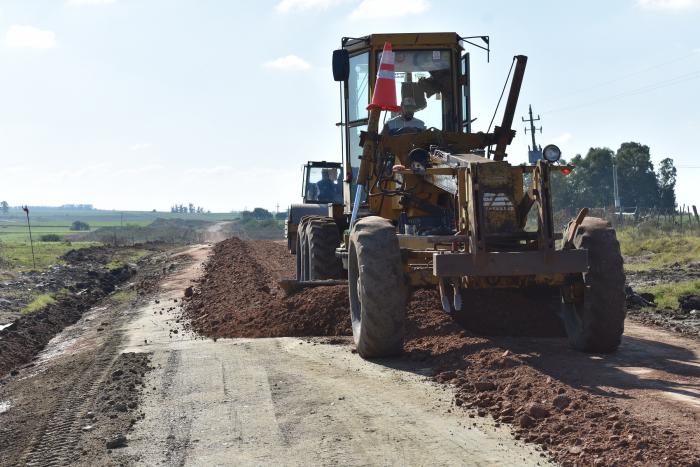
<point>178,439</point>
<point>56,444</point>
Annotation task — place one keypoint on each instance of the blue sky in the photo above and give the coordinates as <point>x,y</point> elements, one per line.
<point>139,104</point>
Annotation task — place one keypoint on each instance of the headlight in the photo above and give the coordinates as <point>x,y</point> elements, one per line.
<point>551,153</point>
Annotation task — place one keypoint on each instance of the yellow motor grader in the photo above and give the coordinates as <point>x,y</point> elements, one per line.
<point>429,202</point>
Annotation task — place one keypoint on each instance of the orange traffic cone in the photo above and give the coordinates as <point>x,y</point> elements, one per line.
<point>384,97</point>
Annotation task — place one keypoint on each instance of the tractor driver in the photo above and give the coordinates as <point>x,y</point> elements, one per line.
<point>405,122</point>
<point>326,186</point>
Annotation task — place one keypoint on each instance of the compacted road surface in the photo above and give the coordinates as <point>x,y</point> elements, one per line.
<point>293,401</point>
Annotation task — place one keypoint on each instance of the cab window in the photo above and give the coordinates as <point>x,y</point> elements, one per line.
<point>358,87</point>
<point>424,86</point>
<point>324,185</point>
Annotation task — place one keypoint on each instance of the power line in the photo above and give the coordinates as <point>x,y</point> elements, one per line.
<point>625,76</point>
<point>641,90</point>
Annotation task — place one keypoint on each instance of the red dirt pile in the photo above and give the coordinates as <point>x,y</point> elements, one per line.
<point>238,296</point>
<point>496,378</point>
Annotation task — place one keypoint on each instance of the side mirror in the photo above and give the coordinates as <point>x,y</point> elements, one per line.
<point>341,65</point>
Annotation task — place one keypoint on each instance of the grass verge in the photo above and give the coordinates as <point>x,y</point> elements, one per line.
<point>39,302</point>
<point>667,294</point>
<point>17,256</point>
<point>125,296</point>
<point>658,250</point>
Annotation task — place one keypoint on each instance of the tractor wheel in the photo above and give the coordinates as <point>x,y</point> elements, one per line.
<point>302,250</point>
<point>596,322</point>
<point>323,238</point>
<point>377,288</point>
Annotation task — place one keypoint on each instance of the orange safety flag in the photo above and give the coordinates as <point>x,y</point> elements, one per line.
<point>384,97</point>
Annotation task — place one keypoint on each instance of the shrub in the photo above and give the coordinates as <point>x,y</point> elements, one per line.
<point>50,238</point>
<point>80,225</point>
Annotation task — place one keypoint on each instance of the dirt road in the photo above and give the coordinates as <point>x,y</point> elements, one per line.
<point>215,232</point>
<point>129,385</point>
<point>639,405</point>
<point>290,401</point>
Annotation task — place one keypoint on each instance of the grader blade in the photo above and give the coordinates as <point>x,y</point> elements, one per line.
<point>292,286</point>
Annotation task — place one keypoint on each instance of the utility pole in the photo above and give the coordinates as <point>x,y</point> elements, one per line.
<point>277,210</point>
<point>31,242</point>
<point>616,190</point>
<point>535,152</point>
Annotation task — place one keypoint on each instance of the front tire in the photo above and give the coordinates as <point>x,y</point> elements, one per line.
<point>595,322</point>
<point>377,288</point>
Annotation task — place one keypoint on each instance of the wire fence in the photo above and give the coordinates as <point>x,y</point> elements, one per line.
<point>683,219</point>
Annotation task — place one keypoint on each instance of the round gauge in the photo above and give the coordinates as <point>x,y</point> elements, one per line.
<point>551,153</point>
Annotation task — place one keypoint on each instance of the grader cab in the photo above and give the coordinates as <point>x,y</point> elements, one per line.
<point>427,202</point>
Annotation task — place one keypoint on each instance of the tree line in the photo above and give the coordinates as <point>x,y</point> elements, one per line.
<point>261,214</point>
<point>591,182</point>
<point>189,209</point>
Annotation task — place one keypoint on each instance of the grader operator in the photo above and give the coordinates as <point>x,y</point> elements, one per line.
<point>429,202</point>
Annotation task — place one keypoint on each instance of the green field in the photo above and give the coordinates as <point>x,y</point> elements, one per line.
<point>15,248</point>
<point>104,218</point>
<point>647,249</point>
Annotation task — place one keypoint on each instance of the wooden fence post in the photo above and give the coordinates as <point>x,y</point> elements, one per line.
<point>697,218</point>
<point>690,219</point>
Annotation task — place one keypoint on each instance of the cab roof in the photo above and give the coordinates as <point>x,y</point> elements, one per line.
<point>402,40</point>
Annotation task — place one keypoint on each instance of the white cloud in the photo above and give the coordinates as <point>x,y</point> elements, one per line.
<point>29,37</point>
<point>668,4</point>
<point>288,63</point>
<point>89,2</point>
<point>388,8</point>
<point>139,170</point>
<point>285,6</point>
<point>140,147</point>
<point>14,170</point>
<point>563,138</point>
<point>209,170</point>
<point>82,171</point>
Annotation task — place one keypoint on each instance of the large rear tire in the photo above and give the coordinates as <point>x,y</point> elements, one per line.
<point>377,288</point>
<point>596,322</point>
<point>302,250</point>
<point>323,238</point>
